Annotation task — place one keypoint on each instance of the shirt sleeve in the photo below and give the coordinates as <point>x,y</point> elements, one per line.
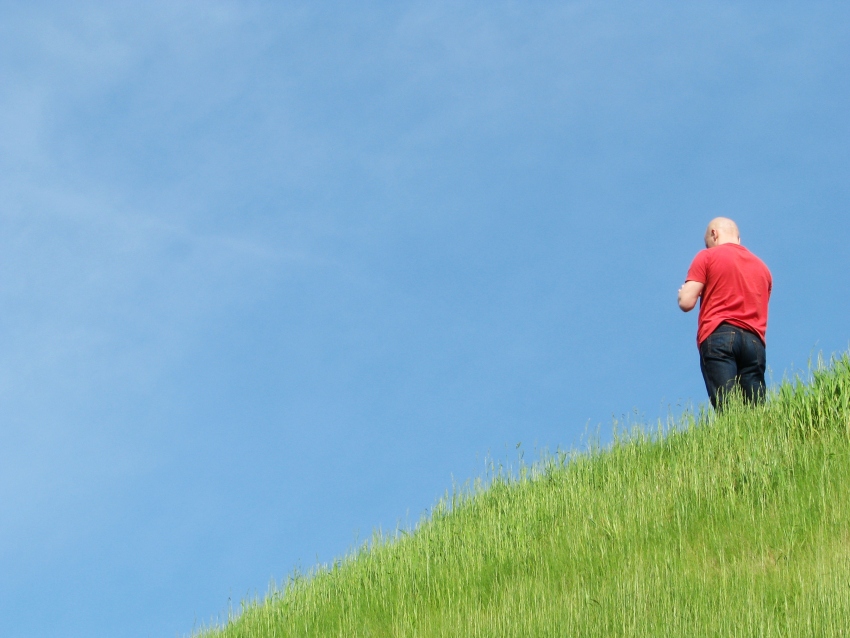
<point>699,267</point>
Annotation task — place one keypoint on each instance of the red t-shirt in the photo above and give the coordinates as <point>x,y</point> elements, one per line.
<point>737,289</point>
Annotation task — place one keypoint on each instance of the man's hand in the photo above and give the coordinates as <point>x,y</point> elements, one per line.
<point>688,295</point>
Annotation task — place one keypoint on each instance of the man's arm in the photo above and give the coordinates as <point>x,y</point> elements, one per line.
<point>688,295</point>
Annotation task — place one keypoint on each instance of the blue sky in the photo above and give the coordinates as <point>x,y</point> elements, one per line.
<point>276,274</point>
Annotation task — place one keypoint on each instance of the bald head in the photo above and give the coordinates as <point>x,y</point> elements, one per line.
<point>721,230</point>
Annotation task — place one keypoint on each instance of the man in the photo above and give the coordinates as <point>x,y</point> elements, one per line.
<point>735,287</point>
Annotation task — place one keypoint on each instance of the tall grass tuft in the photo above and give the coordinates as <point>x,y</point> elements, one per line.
<point>731,524</point>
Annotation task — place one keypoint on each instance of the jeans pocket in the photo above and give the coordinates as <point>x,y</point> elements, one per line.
<point>719,344</point>
<point>758,348</point>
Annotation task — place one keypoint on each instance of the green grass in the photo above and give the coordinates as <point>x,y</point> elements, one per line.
<point>729,525</point>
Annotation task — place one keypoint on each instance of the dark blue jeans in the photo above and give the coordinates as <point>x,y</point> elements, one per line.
<point>731,357</point>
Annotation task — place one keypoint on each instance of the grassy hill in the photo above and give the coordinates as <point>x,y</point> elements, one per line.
<point>729,525</point>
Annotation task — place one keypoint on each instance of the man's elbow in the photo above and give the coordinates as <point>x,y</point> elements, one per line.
<point>686,304</point>
<point>689,294</point>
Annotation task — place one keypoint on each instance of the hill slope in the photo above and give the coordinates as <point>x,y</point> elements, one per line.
<point>722,526</point>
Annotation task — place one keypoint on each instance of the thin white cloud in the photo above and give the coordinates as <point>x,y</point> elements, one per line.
<point>103,290</point>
